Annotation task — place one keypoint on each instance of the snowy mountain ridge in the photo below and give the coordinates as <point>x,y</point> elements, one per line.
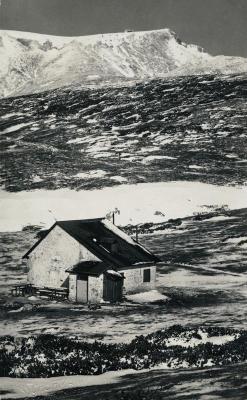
<point>32,62</point>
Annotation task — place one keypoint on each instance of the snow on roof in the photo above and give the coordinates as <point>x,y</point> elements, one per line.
<point>115,273</point>
<point>124,236</point>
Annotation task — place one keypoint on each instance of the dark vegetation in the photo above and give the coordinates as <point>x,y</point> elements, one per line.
<point>199,121</point>
<point>51,355</point>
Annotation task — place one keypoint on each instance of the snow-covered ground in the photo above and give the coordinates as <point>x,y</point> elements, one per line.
<point>147,297</point>
<point>171,141</point>
<point>194,340</point>
<point>183,341</point>
<point>42,61</point>
<point>29,387</point>
<point>137,203</point>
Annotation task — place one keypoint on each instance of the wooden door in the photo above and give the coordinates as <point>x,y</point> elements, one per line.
<point>113,290</point>
<point>82,289</point>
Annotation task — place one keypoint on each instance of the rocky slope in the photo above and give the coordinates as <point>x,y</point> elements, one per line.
<point>32,62</point>
<point>183,128</point>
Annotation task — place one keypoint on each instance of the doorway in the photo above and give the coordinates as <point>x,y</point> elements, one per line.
<point>112,289</point>
<point>82,289</point>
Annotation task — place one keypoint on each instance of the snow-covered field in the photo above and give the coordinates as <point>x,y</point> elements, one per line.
<point>145,202</point>
<point>30,387</point>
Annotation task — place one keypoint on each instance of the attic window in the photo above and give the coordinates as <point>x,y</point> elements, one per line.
<point>146,275</point>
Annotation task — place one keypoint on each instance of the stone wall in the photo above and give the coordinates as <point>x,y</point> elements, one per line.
<point>72,287</point>
<point>95,289</point>
<point>49,261</point>
<point>133,281</point>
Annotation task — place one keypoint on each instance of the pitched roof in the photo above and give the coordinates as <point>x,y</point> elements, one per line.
<point>106,241</point>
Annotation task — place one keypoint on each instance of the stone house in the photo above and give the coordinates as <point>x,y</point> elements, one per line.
<point>95,260</point>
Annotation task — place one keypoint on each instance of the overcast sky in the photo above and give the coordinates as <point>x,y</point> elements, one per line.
<point>220,26</point>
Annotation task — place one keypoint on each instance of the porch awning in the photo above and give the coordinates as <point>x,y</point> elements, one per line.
<point>94,268</point>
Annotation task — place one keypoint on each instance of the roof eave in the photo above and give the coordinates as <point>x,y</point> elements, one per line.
<point>84,273</point>
<point>39,241</point>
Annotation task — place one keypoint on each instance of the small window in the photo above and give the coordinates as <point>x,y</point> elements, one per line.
<point>146,275</point>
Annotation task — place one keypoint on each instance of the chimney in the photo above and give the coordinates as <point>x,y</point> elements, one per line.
<point>137,234</point>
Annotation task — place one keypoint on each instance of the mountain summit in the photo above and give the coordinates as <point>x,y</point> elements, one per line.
<point>33,62</point>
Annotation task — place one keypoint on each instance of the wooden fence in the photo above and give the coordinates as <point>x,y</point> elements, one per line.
<point>29,290</point>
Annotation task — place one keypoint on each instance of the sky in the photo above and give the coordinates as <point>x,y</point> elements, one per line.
<point>219,26</point>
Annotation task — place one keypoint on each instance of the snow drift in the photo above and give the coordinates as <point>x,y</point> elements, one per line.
<point>33,62</point>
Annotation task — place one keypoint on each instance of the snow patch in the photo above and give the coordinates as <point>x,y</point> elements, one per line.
<point>236,240</point>
<point>195,167</point>
<point>119,179</point>
<point>76,141</point>
<point>147,297</point>
<point>220,218</point>
<point>15,128</point>
<point>98,173</point>
<point>205,338</point>
<point>37,179</point>
<point>153,158</point>
<point>232,156</point>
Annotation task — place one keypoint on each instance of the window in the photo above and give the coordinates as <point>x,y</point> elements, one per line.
<point>146,275</point>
